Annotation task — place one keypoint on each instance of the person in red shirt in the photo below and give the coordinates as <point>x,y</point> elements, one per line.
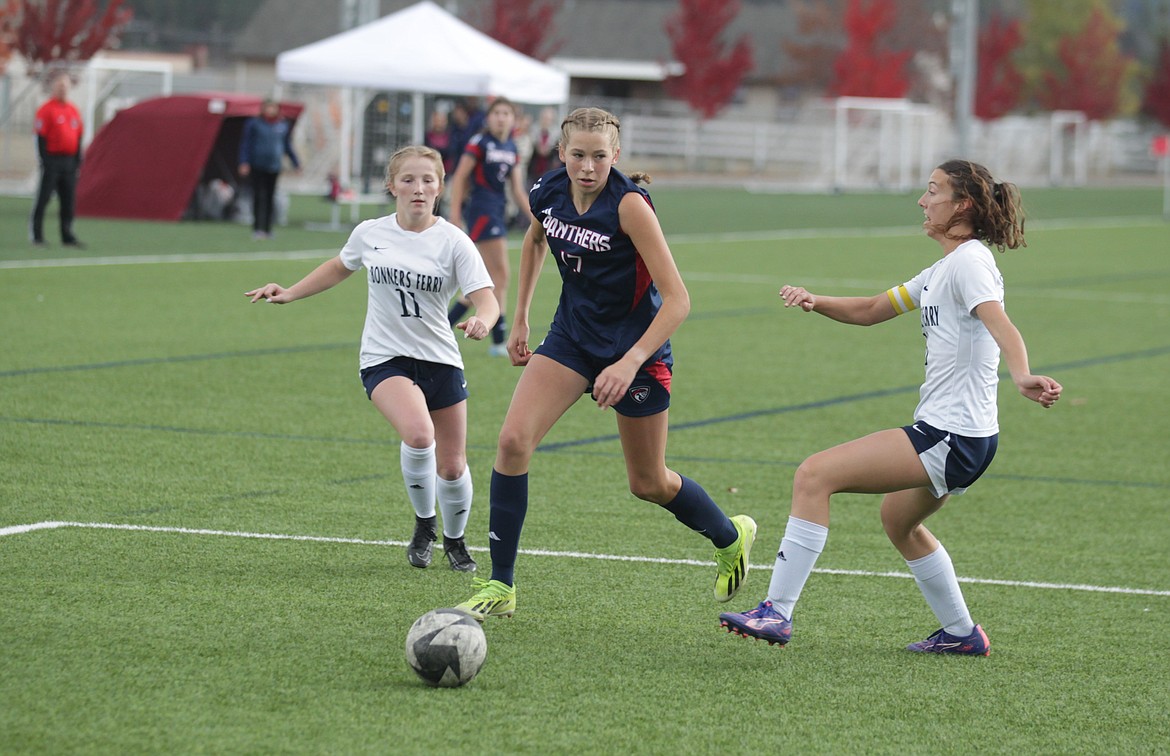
<point>58,128</point>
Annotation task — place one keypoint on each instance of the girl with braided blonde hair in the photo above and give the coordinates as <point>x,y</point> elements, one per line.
<point>621,300</point>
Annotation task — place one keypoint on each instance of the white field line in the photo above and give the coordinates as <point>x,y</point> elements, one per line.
<point>713,238</point>
<point>51,525</point>
<point>84,262</point>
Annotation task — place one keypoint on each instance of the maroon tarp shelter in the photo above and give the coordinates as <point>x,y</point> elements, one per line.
<point>149,159</point>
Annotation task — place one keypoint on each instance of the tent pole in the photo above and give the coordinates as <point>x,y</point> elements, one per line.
<point>417,129</point>
<point>344,149</point>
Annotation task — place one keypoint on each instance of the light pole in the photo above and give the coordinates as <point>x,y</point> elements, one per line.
<point>965,15</point>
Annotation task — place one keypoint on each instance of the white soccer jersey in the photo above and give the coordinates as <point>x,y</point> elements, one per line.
<point>962,358</point>
<point>412,277</point>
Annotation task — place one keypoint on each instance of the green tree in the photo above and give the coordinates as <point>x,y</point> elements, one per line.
<point>1049,27</point>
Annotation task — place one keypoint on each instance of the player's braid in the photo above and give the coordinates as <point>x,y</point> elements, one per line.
<point>596,119</point>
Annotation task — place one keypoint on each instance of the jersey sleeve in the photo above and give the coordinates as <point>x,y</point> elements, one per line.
<point>475,147</point>
<point>908,296</point>
<point>977,280</point>
<point>470,272</point>
<point>351,253</point>
<point>41,122</point>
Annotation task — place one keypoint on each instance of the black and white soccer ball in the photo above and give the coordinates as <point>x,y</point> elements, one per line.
<point>446,648</point>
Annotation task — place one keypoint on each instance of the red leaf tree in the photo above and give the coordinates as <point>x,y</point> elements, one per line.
<point>1094,69</point>
<point>814,47</point>
<point>9,16</point>
<point>523,25</point>
<point>1156,101</point>
<point>866,68</point>
<point>710,75</point>
<point>68,31</point>
<point>999,83</point>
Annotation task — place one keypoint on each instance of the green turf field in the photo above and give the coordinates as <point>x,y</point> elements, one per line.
<point>218,562</point>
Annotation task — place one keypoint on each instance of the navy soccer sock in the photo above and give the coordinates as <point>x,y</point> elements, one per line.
<point>498,332</point>
<point>695,509</point>
<point>509,504</point>
<point>457,311</point>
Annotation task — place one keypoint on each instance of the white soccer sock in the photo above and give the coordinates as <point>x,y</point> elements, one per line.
<point>935,575</point>
<point>803,542</point>
<point>418,473</point>
<point>455,503</point>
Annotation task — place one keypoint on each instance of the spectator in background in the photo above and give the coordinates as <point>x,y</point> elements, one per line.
<point>59,129</point>
<point>438,138</point>
<point>467,119</point>
<point>522,136</point>
<point>544,146</point>
<point>266,140</point>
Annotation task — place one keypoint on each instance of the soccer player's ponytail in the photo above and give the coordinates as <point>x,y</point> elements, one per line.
<point>995,212</point>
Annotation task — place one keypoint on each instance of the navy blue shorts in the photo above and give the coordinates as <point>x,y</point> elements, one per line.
<point>953,462</point>
<point>442,385</point>
<point>485,221</point>
<point>649,392</point>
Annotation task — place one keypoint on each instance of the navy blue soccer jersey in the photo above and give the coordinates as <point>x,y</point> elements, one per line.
<point>607,298</point>
<point>494,161</point>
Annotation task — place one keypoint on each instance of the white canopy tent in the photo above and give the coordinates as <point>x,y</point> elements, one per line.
<point>421,49</point>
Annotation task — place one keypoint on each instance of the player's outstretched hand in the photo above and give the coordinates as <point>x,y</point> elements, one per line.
<point>1040,389</point>
<point>473,328</point>
<point>274,293</point>
<point>795,296</point>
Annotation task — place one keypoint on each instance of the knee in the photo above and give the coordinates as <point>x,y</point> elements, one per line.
<point>419,437</point>
<point>450,462</point>
<point>513,447</point>
<point>811,478</point>
<point>450,469</point>
<point>899,528</point>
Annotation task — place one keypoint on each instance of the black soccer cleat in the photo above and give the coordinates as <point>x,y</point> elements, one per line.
<point>456,551</point>
<point>421,546</point>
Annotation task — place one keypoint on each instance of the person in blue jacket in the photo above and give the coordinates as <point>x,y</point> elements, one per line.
<point>265,142</point>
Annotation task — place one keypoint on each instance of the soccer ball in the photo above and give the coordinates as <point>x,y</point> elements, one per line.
<point>446,648</point>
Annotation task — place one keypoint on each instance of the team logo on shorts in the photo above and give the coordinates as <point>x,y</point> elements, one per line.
<point>640,393</point>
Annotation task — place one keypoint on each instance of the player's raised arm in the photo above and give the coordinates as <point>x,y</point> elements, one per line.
<point>327,275</point>
<point>851,310</point>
